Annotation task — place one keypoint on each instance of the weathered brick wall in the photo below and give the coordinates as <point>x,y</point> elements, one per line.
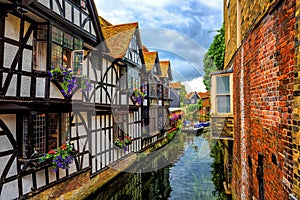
<point>251,13</point>
<point>296,106</point>
<point>230,30</point>
<point>263,121</point>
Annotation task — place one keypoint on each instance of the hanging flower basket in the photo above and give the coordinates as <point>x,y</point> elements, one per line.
<point>69,82</point>
<point>61,158</point>
<point>138,96</point>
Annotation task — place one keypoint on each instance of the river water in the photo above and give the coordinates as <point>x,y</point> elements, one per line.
<point>187,176</point>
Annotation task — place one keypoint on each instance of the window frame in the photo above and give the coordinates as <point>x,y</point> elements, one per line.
<point>215,95</point>
<point>29,131</point>
<point>69,44</point>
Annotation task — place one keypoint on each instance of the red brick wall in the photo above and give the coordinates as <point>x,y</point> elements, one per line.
<point>267,54</point>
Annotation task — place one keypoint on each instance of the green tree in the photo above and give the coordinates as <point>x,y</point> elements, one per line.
<point>214,58</point>
<point>182,95</point>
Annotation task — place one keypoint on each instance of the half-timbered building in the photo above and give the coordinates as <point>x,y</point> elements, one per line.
<point>66,77</point>
<point>125,63</point>
<point>164,93</point>
<point>37,112</point>
<point>150,87</point>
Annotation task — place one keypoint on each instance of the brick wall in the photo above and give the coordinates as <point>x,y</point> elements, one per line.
<point>296,107</point>
<point>251,13</point>
<point>263,77</point>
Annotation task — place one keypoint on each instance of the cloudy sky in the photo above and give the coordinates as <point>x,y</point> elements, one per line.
<point>181,31</point>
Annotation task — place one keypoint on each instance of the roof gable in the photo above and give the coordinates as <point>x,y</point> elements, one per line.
<point>77,16</point>
<point>204,95</point>
<point>176,85</point>
<point>191,95</point>
<point>166,71</point>
<point>118,38</point>
<point>152,61</point>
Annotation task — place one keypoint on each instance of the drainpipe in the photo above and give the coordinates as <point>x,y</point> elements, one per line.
<point>243,135</point>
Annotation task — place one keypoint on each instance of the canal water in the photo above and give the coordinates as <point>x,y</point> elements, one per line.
<point>188,175</point>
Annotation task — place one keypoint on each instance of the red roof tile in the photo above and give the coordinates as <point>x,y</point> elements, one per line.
<point>176,85</point>
<point>118,38</point>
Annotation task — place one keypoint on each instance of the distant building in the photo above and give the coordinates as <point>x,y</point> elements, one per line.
<point>192,98</point>
<point>205,109</point>
<point>175,94</point>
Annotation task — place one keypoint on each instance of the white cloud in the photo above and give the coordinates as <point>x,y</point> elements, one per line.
<point>174,26</point>
<point>213,4</point>
<point>154,14</point>
<point>194,85</point>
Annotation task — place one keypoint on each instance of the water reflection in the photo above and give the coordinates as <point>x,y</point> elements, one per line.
<point>188,177</point>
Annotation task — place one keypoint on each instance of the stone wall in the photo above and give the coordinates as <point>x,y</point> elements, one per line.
<point>221,126</point>
<point>263,100</point>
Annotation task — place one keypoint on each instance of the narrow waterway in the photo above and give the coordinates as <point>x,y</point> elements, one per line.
<point>187,176</point>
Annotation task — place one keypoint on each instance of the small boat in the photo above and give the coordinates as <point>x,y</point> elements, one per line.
<point>192,129</point>
<point>204,124</point>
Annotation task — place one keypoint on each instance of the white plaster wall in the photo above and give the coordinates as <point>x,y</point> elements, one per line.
<point>55,7</point>
<point>97,97</point>
<point>40,87</point>
<point>27,183</point>
<point>26,27</point>
<point>40,178</point>
<point>12,27</point>
<point>93,30</point>
<point>76,17</point>
<point>10,122</point>
<point>77,95</point>
<point>44,3</point>
<point>27,60</point>
<point>10,52</point>
<point>87,25</point>
<point>12,88</point>
<point>25,86</point>
<point>68,11</point>
<point>9,191</point>
<point>54,92</point>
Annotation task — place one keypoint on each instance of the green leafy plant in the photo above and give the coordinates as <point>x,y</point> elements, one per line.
<point>214,58</point>
<point>123,143</point>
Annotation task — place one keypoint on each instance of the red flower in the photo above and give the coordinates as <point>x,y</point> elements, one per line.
<point>64,146</point>
<point>51,152</point>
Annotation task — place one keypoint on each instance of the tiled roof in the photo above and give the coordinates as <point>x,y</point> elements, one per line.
<point>204,95</point>
<point>164,67</point>
<point>104,22</point>
<point>150,58</point>
<point>188,96</point>
<point>176,85</point>
<point>145,49</point>
<point>118,38</point>
<point>206,103</point>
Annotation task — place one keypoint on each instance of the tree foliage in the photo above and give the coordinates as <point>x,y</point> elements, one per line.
<point>182,95</point>
<point>214,57</point>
